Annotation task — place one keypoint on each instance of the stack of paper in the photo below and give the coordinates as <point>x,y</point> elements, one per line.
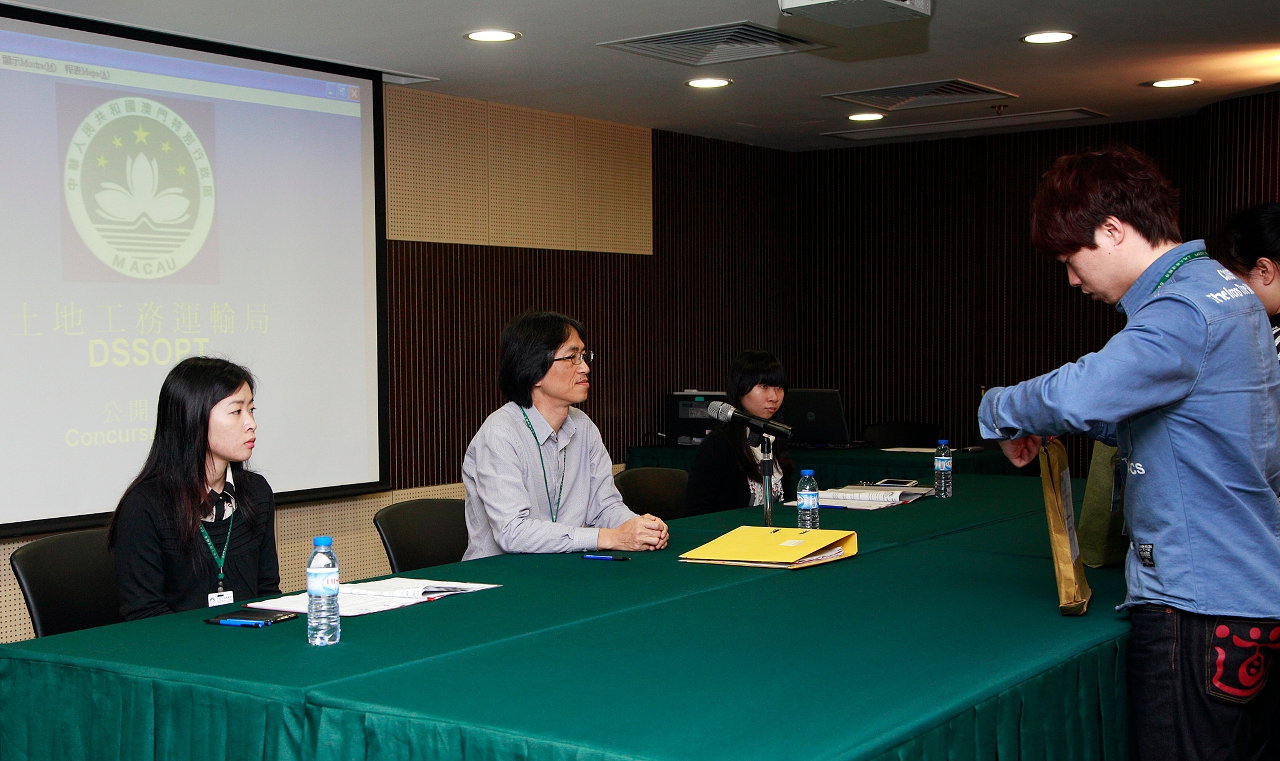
<point>870,497</point>
<point>377,596</point>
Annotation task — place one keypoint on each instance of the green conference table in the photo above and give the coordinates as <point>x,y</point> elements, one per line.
<point>840,467</point>
<point>941,636</point>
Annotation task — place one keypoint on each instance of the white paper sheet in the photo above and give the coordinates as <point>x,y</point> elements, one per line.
<point>401,587</point>
<point>377,596</point>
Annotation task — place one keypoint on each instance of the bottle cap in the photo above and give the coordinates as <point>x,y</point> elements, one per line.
<point>942,442</point>
<point>323,541</point>
<point>806,472</point>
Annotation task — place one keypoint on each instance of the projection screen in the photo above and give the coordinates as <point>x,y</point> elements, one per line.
<point>162,199</point>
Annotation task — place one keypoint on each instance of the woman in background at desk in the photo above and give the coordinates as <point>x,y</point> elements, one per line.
<point>1253,254</point>
<point>196,529</point>
<point>726,472</point>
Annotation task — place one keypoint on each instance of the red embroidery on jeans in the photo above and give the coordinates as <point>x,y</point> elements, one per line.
<point>1251,675</point>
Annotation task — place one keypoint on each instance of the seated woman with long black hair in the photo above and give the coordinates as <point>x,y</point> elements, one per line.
<point>195,528</point>
<point>726,472</point>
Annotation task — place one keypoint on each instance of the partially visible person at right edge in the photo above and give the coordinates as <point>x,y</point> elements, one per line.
<point>1190,392</point>
<point>1253,254</point>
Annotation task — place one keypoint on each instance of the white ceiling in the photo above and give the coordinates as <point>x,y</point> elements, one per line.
<point>1233,46</point>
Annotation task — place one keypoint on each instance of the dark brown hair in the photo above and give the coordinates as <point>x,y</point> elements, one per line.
<point>1081,190</point>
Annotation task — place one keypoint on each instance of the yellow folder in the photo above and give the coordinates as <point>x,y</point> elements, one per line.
<point>775,547</point>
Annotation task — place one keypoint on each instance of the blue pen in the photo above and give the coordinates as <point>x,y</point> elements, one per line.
<point>243,622</point>
<point>602,557</point>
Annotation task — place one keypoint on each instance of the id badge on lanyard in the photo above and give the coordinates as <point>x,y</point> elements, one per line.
<point>221,598</point>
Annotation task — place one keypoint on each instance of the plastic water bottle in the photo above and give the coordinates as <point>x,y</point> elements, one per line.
<point>324,627</point>
<point>942,470</point>
<point>807,496</point>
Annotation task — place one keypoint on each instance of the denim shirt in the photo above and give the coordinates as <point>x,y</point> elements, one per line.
<point>1189,391</point>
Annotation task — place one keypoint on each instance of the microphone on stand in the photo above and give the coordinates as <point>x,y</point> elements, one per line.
<point>726,413</point>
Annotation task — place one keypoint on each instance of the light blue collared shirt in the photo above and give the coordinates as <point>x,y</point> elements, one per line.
<point>1190,392</point>
<point>508,509</point>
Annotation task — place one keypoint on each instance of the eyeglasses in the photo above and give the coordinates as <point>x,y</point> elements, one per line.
<point>578,358</point>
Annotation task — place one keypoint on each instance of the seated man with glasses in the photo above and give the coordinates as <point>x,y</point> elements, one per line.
<point>537,475</point>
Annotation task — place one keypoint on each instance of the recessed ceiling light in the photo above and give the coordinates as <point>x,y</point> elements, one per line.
<point>1183,82</point>
<point>1047,38</point>
<point>493,35</point>
<point>865,117</point>
<point>709,82</point>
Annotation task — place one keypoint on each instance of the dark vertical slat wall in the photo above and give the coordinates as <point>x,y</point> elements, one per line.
<point>919,282</point>
<point>901,275</point>
<point>657,323</point>
<point>1241,153</point>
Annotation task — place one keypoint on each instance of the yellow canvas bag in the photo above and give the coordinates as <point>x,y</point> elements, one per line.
<point>1073,589</point>
<point>1102,534</point>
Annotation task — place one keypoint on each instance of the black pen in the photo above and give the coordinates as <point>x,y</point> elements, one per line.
<point>603,557</point>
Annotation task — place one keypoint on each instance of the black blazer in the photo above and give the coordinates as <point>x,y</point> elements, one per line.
<point>717,481</point>
<point>156,577</point>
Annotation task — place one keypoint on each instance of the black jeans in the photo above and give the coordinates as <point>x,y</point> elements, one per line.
<point>1199,687</point>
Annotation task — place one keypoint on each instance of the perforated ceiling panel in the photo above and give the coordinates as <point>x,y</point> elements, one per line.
<point>737,41</point>
<point>921,95</point>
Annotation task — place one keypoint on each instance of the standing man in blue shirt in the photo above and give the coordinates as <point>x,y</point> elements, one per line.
<point>1189,391</point>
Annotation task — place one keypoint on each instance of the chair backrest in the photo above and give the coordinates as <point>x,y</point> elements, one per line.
<point>421,533</point>
<point>69,581</point>
<point>887,435</point>
<point>657,491</point>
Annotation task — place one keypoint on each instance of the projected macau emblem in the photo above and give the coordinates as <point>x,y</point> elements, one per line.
<point>139,187</point>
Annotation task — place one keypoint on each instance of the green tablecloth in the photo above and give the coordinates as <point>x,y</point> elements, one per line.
<point>942,633</point>
<point>841,467</point>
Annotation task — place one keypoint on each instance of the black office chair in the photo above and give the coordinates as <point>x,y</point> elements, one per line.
<point>657,491</point>
<point>889,435</point>
<point>421,533</point>
<point>69,582</point>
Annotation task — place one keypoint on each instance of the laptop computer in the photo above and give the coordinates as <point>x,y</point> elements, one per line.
<point>816,417</point>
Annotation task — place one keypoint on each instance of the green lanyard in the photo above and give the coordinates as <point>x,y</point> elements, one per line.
<point>1178,265</point>
<point>564,462</point>
<point>223,559</point>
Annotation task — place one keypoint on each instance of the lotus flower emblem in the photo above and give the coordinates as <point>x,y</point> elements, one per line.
<point>119,204</point>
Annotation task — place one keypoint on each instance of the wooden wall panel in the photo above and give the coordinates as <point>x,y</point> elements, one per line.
<point>532,195</point>
<point>437,167</point>
<point>466,171</point>
<point>613,186</point>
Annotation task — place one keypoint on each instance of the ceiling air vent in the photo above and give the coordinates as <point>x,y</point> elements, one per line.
<point>967,125</point>
<point>922,95</point>
<point>715,44</point>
